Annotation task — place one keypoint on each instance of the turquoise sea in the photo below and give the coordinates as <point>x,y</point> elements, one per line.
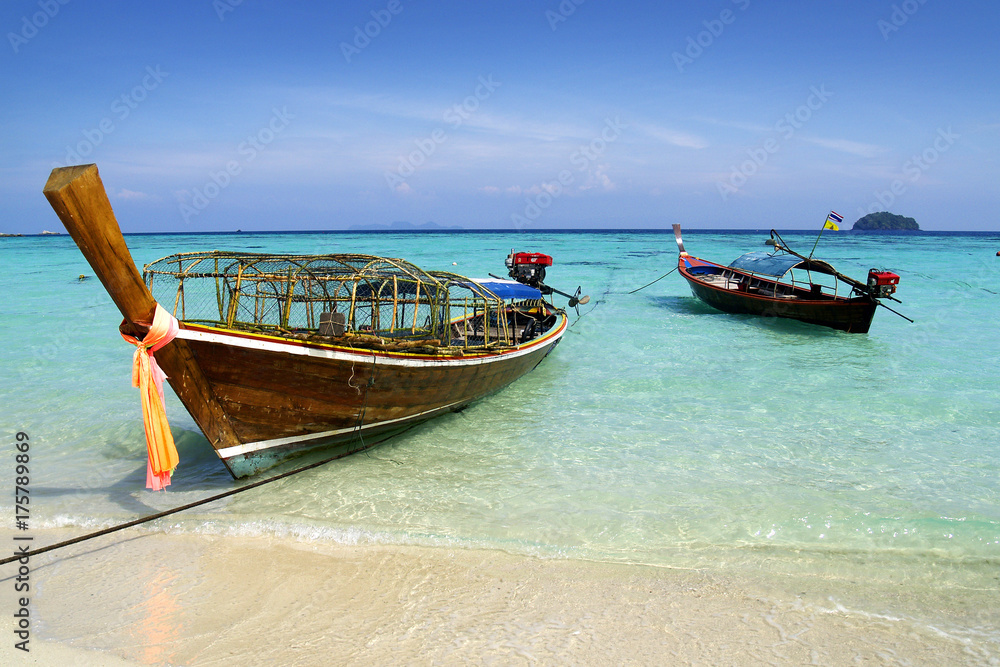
<point>660,431</point>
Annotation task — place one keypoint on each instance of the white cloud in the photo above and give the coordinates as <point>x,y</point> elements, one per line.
<point>755,128</point>
<point>847,146</point>
<point>598,179</point>
<point>673,137</point>
<point>130,194</point>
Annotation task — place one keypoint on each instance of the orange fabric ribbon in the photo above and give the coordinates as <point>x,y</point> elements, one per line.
<point>146,374</point>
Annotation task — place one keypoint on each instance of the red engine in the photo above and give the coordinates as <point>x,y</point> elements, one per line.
<point>527,267</point>
<point>882,283</point>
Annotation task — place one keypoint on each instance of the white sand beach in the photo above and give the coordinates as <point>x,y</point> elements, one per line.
<point>154,598</point>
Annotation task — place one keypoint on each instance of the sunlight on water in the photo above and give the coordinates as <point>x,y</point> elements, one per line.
<point>660,431</point>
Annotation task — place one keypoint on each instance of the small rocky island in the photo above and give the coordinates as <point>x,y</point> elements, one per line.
<point>885,221</point>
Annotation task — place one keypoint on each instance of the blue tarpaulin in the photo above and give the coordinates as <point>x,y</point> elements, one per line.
<point>510,289</point>
<point>765,263</point>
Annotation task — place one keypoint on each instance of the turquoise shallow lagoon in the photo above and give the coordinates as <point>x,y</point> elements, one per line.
<point>660,432</point>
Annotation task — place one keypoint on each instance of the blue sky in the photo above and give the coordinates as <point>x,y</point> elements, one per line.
<point>266,115</point>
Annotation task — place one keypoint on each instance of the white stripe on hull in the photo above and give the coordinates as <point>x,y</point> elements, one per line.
<point>249,447</point>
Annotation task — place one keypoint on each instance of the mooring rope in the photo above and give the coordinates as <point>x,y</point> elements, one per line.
<point>655,281</point>
<point>160,515</point>
<point>598,301</point>
<point>359,425</point>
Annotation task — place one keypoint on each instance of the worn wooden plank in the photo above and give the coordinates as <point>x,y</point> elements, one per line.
<point>78,197</point>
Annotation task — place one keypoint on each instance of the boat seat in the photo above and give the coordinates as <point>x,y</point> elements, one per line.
<point>332,324</point>
<point>701,270</point>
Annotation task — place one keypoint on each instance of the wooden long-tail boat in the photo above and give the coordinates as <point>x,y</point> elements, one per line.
<point>276,354</point>
<point>783,283</point>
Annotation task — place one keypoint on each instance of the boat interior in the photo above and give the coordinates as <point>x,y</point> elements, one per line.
<point>519,323</point>
<point>729,279</point>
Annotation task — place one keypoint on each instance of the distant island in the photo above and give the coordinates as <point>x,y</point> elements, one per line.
<point>885,221</point>
<point>403,226</point>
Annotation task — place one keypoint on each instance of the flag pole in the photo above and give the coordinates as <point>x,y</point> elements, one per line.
<point>817,240</point>
<point>831,221</point>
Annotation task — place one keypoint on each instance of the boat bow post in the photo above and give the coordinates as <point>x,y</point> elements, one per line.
<point>680,241</point>
<point>78,197</point>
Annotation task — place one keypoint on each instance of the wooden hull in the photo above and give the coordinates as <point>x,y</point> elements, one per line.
<point>853,315</point>
<point>260,399</point>
<point>282,397</point>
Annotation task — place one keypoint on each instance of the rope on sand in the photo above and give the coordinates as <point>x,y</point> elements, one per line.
<point>160,515</point>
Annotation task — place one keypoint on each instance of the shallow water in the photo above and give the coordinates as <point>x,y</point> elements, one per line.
<point>659,432</point>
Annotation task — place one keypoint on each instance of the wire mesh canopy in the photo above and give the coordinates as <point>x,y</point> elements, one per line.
<point>778,264</point>
<point>356,295</point>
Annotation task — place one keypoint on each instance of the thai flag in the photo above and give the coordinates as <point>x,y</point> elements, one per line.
<point>833,221</point>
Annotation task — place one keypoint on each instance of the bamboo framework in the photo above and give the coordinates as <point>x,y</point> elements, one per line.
<point>373,297</point>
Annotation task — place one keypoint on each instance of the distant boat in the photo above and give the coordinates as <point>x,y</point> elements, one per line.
<point>783,283</point>
<point>276,354</point>
<point>46,232</point>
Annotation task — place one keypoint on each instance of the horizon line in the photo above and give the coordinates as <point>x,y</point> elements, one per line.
<point>494,230</point>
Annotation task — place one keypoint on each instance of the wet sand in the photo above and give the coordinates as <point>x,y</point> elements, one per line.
<point>154,598</point>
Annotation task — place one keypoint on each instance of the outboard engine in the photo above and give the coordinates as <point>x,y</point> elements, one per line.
<point>527,267</point>
<point>882,284</point>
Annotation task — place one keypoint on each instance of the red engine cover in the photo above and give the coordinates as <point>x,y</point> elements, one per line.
<point>880,278</point>
<point>532,258</point>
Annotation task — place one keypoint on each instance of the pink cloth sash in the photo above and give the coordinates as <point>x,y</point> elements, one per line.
<point>146,374</point>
